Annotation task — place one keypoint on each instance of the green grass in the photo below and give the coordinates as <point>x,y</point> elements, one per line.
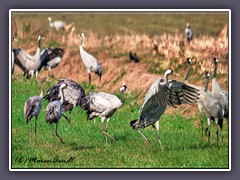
<point>182,142</point>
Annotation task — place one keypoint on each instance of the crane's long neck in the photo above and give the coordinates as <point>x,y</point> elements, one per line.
<point>122,96</point>
<point>206,84</point>
<point>82,42</point>
<point>42,90</point>
<point>166,77</point>
<point>188,72</point>
<point>61,95</point>
<point>38,53</point>
<point>215,70</point>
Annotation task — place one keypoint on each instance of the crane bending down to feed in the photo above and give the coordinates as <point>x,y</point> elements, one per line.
<point>54,111</point>
<point>218,92</point>
<point>90,62</point>
<point>56,24</point>
<point>72,95</point>
<point>33,106</point>
<point>161,94</point>
<point>27,63</point>
<point>103,105</point>
<point>188,33</point>
<point>213,109</point>
<point>13,59</point>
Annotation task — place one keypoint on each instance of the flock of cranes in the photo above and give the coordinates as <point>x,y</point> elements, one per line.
<point>68,94</point>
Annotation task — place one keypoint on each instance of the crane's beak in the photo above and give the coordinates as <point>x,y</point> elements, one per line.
<point>15,39</point>
<point>176,74</point>
<point>203,77</point>
<point>128,92</point>
<point>43,37</point>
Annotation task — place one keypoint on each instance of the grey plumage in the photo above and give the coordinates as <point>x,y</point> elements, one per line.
<point>103,105</point>
<point>213,109</point>
<point>90,62</point>
<point>218,92</point>
<point>162,93</point>
<point>188,32</point>
<point>73,94</point>
<point>33,106</point>
<point>54,110</point>
<point>27,63</point>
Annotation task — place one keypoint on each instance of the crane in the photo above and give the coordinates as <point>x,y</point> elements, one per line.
<point>90,62</point>
<point>72,93</point>
<point>50,58</point>
<point>33,106</point>
<point>218,92</point>
<point>13,59</point>
<point>56,24</point>
<point>54,111</point>
<point>200,88</point>
<point>162,93</point>
<point>213,108</point>
<point>27,63</point>
<point>188,33</point>
<point>103,105</point>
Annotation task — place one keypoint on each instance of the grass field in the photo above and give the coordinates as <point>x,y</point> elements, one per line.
<point>181,138</point>
<point>110,38</point>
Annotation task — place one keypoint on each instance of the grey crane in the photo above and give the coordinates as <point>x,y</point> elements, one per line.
<point>50,58</point>
<point>200,88</point>
<point>33,106</point>
<point>54,111</point>
<point>27,63</point>
<point>72,93</point>
<point>90,62</point>
<point>213,109</point>
<point>188,32</point>
<point>57,24</point>
<point>218,92</point>
<point>13,59</point>
<point>162,93</point>
<point>103,105</point>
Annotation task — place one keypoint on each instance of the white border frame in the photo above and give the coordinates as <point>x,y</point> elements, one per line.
<point>112,11</point>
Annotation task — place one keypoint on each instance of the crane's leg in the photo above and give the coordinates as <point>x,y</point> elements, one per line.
<point>149,144</point>
<point>35,131</point>
<point>30,133</point>
<point>36,74</point>
<point>68,119</point>
<point>158,136</point>
<point>208,129</point>
<point>58,135</point>
<point>216,120</point>
<point>106,131</point>
<point>220,123</point>
<point>89,78</point>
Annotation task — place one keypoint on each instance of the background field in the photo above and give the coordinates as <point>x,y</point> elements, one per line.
<point>159,42</point>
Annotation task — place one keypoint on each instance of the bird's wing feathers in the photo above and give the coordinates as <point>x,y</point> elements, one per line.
<point>98,103</point>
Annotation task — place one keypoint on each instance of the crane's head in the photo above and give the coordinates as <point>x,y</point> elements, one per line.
<point>63,85</point>
<point>14,39</point>
<point>49,19</point>
<point>215,61</point>
<point>123,89</point>
<point>206,75</point>
<point>189,60</point>
<point>188,25</point>
<point>40,37</point>
<point>170,71</point>
<point>82,34</point>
